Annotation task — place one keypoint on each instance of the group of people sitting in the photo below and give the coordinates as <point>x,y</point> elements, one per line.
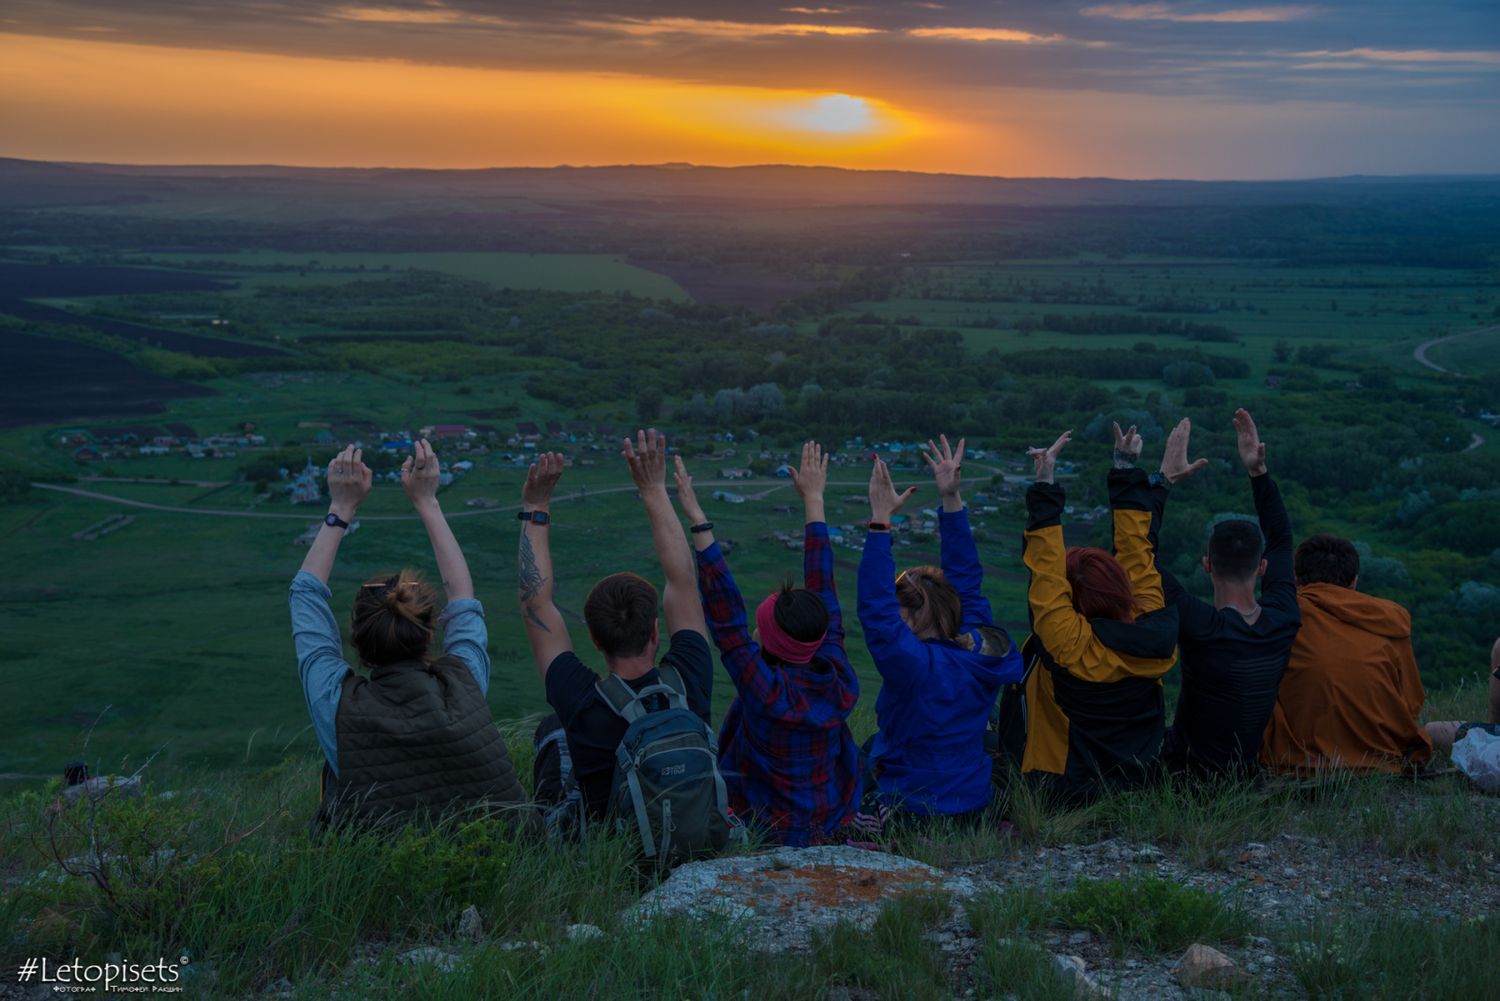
<point>1300,675</point>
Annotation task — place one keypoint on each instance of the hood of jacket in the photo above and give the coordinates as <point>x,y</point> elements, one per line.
<point>1364,612</point>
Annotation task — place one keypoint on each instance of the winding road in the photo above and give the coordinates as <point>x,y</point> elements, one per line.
<point>1420,352</point>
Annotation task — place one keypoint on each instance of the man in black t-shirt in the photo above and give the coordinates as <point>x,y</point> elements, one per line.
<point>621,615</point>
<point>1235,650</point>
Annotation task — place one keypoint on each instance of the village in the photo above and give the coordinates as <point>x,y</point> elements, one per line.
<point>741,468</point>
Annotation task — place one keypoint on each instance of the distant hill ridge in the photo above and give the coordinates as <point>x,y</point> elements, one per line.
<point>34,183</point>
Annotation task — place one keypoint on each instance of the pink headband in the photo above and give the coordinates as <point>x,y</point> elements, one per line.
<point>775,641</point>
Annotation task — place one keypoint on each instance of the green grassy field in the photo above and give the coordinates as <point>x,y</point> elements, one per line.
<point>560,272</point>
<point>1378,313</point>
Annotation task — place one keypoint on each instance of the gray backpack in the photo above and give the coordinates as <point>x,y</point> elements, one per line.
<point>667,783</point>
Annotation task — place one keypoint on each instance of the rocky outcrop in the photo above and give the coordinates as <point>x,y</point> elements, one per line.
<point>784,896</point>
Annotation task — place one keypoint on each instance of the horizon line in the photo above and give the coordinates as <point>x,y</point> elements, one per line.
<point>688,165</point>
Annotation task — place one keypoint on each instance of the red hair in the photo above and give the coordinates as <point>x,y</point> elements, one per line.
<point>1101,587</point>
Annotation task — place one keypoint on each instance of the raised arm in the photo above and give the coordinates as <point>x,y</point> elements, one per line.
<point>545,628</point>
<point>899,656</point>
<point>1130,500</point>
<point>1278,587</point>
<point>647,459</point>
<point>465,635</point>
<point>349,481</point>
<point>1065,633</point>
<point>315,632</point>
<point>811,480</point>
<point>1175,467</point>
<point>419,478</point>
<point>957,552</point>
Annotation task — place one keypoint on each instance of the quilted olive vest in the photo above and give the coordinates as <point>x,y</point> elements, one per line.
<point>416,741</point>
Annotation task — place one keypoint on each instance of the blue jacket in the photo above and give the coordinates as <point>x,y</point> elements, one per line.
<point>936,695</point>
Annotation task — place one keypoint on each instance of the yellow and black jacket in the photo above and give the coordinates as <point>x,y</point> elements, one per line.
<point>1089,712</point>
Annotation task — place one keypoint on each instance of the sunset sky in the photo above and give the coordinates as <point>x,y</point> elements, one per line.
<point>1192,89</point>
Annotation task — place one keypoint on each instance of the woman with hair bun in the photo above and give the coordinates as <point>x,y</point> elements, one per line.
<point>788,759</point>
<point>939,652</point>
<point>413,739</point>
<point>1089,714</point>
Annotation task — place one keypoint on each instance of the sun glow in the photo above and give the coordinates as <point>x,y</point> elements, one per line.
<point>153,104</point>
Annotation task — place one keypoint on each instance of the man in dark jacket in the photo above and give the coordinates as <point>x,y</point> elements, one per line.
<point>1234,651</point>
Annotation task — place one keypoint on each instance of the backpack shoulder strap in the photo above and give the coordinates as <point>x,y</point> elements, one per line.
<point>672,679</point>
<point>624,702</point>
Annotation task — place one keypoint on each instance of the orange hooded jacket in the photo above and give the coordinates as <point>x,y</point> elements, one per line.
<point>1351,694</point>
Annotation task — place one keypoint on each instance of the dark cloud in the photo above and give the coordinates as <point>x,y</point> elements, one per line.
<point>1374,52</point>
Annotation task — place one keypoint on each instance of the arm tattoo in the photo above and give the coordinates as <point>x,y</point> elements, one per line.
<point>1124,460</point>
<point>531,579</point>
<point>533,619</point>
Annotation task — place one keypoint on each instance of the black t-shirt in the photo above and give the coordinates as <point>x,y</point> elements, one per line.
<point>1231,669</point>
<point>594,730</point>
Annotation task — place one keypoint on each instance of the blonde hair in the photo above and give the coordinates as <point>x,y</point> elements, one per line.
<point>392,619</point>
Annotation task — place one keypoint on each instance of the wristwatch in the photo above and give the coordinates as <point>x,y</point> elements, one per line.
<point>706,526</point>
<point>334,521</point>
<point>878,526</point>
<point>535,517</point>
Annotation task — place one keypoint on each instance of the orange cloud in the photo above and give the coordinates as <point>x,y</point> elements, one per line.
<point>408,15</point>
<point>1407,55</point>
<point>1165,12</point>
<point>720,29</point>
<point>982,35</point>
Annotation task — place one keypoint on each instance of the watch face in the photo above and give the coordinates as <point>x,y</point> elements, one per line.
<point>539,517</point>
<point>332,520</point>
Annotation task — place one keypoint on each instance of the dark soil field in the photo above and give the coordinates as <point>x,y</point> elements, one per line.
<point>49,379</point>
<point>172,340</point>
<point>21,282</point>
<point>45,281</point>
<point>731,285</point>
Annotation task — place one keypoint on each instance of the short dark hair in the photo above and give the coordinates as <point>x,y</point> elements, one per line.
<point>800,613</point>
<point>392,619</point>
<point>620,612</point>
<point>1235,548</point>
<point>1326,559</point>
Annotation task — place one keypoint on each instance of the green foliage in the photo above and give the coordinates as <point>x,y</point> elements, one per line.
<point>1354,954</point>
<point>895,957</point>
<point>1149,913</point>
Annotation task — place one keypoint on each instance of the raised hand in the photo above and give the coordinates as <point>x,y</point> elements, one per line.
<point>647,459</point>
<point>1174,459</point>
<point>687,497</point>
<point>1045,459</point>
<point>884,500</point>
<point>811,477</point>
<point>1252,449</point>
<point>349,481</point>
<point>540,479</point>
<point>946,463</point>
<point>1128,445</point>
<point>419,475</point>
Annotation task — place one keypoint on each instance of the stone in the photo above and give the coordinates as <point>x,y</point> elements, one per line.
<point>781,897</point>
<point>470,925</point>
<point>584,933</point>
<point>1207,967</point>
<point>428,955</point>
<point>100,786</point>
<point>1072,970</point>
<point>1255,853</point>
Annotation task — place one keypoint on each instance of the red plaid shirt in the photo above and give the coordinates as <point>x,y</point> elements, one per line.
<point>785,750</point>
